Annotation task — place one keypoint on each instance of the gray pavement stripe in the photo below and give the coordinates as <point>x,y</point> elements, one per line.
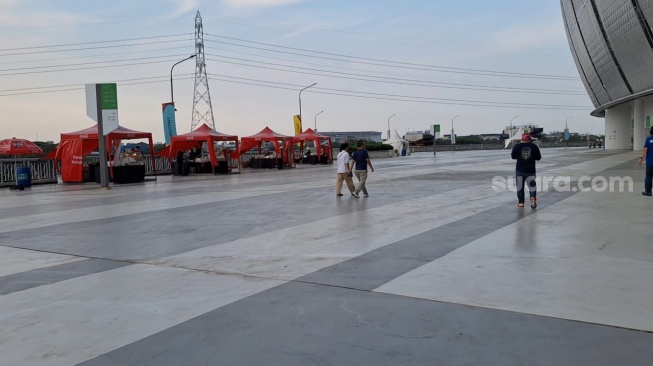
<point>53,274</point>
<point>375,268</point>
<point>308,324</point>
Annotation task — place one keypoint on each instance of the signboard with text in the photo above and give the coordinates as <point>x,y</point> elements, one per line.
<point>435,131</point>
<point>107,101</point>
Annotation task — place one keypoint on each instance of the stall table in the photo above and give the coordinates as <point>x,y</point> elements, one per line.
<point>262,163</point>
<point>123,174</point>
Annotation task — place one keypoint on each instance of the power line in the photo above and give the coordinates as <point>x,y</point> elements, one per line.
<point>406,98</point>
<point>93,63</point>
<point>571,92</point>
<point>317,90</point>
<point>95,55</point>
<point>82,68</point>
<point>94,42</point>
<point>75,87</point>
<point>426,83</point>
<point>393,63</point>
<point>94,48</point>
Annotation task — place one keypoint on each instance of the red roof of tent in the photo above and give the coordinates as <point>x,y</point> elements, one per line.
<point>91,133</point>
<point>266,134</point>
<point>202,133</point>
<point>309,134</point>
<point>191,139</point>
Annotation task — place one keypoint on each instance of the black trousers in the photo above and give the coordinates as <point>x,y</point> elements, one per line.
<point>521,180</point>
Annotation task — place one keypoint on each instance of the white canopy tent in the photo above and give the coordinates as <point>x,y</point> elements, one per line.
<point>398,144</point>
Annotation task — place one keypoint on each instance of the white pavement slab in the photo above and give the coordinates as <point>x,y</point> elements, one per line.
<point>14,260</point>
<point>75,320</point>
<point>587,258</point>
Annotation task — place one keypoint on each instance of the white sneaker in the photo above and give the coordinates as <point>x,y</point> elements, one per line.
<point>365,195</point>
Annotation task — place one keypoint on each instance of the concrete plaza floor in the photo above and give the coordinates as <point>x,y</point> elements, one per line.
<point>437,267</point>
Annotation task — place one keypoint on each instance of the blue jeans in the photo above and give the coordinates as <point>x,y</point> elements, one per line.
<point>521,180</point>
<point>648,179</point>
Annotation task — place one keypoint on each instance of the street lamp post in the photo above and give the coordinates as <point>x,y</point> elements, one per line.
<point>315,121</point>
<point>567,130</point>
<point>172,95</point>
<point>453,139</point>
<point>300,100</point>
<point>389,125</point>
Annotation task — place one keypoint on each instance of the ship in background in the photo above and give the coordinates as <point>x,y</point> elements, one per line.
<point>419,138</point>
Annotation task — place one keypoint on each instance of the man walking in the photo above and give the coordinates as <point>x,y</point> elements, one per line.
<point>526,153</point>
<point>648,156</point>
<point>361,161</point>
<point>344,171</point>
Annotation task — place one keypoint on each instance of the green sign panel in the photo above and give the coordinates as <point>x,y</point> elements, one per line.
<point>109,96</point>
<point>648,121</point>
<point>436,128</point>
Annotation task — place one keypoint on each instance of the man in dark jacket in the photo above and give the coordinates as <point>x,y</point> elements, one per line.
<point>526,153</point>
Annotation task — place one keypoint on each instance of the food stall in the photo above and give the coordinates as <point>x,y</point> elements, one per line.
<point>284,154</point>
<point>188,148</point>
<point>74,146</point>
<point>322,154</point>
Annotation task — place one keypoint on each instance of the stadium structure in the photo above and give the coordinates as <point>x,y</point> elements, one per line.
<point>612,44</point>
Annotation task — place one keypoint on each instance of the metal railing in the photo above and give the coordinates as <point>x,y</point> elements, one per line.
<point>44,171</point>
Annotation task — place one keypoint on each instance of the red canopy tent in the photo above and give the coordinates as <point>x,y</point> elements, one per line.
<point>310,135</point>
<point>278,140</point>
<point>74,146</point>
<point>192,139</point>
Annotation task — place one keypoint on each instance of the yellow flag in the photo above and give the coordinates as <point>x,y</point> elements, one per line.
<point>298,124</point>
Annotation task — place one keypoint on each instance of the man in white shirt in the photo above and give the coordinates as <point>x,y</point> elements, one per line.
<point>344,171</point>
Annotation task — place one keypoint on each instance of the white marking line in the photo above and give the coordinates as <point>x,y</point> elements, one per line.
<point>76,320</point>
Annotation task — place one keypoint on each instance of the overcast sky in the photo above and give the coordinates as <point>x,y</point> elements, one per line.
<point>425,61</point>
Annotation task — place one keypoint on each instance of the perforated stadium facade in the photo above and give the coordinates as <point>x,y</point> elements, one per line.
<point>611,42</point>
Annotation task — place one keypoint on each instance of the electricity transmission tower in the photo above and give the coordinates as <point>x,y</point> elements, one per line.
<point>202,109</point>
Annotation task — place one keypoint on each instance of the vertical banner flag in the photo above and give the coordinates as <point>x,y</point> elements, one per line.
<point>298,124</point>
<point>435,131</point>
<point>169,123</point>
<point>566,134</point>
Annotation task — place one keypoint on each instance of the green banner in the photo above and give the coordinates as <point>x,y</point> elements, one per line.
<point>109,96</point>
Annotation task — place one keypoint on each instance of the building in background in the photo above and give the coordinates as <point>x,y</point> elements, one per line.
<point>612,45</point>
<point>353,136</point>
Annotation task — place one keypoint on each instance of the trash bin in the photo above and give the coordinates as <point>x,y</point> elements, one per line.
<point>403,152</point>
<point>23,176</point>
